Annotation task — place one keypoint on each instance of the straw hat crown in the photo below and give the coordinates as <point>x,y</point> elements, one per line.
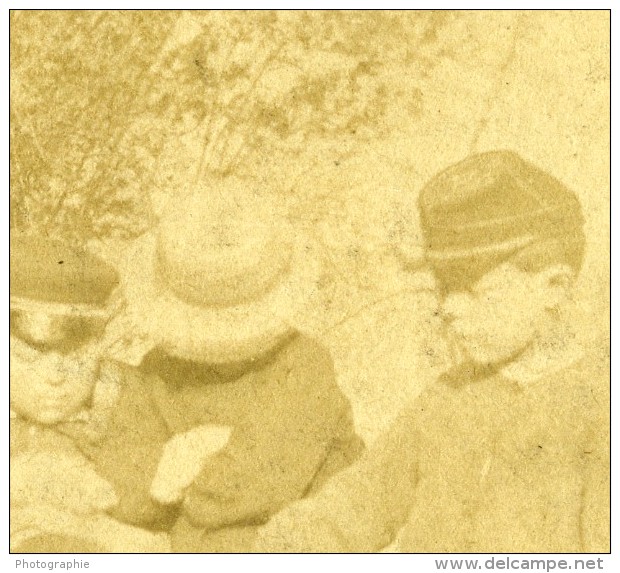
<point>223,247</point>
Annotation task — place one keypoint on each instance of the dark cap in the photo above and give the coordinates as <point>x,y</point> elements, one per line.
<point>491,205</point>
<point>47,273</point>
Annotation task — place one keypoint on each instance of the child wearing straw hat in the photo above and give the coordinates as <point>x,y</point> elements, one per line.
<point>85,438</point>
<point>509,451</point>
<point>220,289</point>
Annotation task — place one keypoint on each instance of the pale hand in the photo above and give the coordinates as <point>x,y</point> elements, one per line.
<point>183,458</point>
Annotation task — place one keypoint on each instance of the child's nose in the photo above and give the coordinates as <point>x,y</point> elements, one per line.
<point>53,370</point>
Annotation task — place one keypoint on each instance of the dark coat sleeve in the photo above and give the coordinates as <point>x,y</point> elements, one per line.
<point>130,452</point>
<point>277,452</point>
<point>359,510</point>
<point>344,449</point>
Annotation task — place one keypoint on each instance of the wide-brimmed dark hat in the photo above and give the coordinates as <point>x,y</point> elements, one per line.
<point>489,206</point>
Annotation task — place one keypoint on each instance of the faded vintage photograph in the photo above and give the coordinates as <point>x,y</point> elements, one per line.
<point>309,281</point>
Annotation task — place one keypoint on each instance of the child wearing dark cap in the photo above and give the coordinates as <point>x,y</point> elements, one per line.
<point>509,450</point>
<point>85,438</point>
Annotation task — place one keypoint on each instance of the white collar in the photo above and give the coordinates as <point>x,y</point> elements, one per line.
<point>527,372</point>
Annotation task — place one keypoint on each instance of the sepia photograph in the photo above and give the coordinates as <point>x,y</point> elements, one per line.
<point>310,281</point>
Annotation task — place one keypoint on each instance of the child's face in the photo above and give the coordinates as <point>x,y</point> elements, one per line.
<point>501,314</point>
<point>53,372</point>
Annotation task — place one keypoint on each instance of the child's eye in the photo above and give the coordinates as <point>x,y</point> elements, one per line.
<point>73,336</point>
<point>23,350</point>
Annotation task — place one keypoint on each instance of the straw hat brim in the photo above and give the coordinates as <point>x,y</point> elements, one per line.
<point>216,331</point>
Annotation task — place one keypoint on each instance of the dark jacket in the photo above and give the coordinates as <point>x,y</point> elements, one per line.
<point>292,428</point>
<point>124,439</point>
<point>482,465</point>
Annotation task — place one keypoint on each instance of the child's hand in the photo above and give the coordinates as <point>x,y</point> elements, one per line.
<point>183,458</point>
<point>60,480</point>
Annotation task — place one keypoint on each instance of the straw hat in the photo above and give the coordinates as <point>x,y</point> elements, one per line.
<point>224,275</point>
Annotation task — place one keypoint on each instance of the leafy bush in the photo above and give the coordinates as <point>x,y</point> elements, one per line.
<point>97,95</point>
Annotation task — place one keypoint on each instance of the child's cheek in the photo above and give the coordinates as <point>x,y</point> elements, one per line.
<point>87,358</point>
<point>500,328</point>
<point>82,368</point>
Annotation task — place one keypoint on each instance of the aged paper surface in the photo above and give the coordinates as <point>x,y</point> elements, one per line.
<point>307,281</point>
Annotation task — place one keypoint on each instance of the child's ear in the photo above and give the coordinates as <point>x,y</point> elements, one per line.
<point>557,282</point>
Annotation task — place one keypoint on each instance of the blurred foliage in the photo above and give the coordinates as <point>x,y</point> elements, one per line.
<point>97,95</point>
<point>80,155</point>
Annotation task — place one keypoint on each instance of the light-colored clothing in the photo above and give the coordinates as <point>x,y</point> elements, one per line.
<point>487,465</point>
<point>122,434</point>
<point>292,428</point>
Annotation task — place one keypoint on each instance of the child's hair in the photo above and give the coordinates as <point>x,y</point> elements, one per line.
<point>462,274</point>
<point>495,207</point>
<point>548,252</point>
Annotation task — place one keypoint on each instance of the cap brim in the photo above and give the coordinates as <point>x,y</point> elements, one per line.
<point>59,309</point>
<point>456,254</point>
